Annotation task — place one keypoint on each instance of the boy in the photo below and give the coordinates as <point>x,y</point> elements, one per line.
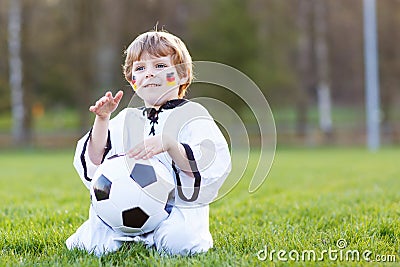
<point>179,133</point>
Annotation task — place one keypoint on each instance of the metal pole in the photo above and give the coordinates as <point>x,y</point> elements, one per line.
<point>371,75</point>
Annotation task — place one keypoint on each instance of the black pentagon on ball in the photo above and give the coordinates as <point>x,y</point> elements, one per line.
<point>143,175</point>
<point>134,218</point>
<point>102,188</point>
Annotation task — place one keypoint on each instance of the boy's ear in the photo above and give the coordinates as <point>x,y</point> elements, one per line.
<point>183,80</point>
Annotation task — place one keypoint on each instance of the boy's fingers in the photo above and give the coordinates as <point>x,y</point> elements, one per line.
<point>118,96</point>
<point>134,151</point>
<point>148,155</point>
<point>140,152</point>
<point>131,153</point>
<point>138,155</point>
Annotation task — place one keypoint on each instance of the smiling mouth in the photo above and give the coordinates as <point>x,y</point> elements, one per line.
<point>152,85</point>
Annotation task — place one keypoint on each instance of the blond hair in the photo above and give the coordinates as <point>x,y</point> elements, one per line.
<point>160,44</point>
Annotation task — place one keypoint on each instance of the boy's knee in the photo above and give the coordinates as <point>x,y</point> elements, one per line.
<point>180,240</point>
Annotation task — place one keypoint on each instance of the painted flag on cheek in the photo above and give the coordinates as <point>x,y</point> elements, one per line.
<point>171,78</point>
<point>134,82</point>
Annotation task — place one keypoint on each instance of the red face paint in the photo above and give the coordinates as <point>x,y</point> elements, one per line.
<point>134,82</point>
<point>171,78</point>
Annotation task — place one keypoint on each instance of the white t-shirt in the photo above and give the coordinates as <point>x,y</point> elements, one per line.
<point>191,125</point>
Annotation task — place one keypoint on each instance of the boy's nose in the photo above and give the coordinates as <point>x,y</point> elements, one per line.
<point>149,74</point>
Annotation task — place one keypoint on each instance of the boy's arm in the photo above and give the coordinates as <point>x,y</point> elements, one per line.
<point>178,154</point>
<point>98,140</point>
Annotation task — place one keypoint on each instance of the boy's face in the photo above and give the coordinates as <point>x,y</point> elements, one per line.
<point>155,79</point>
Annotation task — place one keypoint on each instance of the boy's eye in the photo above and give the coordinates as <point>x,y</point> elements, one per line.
<point>161,65</point>
<point>139,68</point>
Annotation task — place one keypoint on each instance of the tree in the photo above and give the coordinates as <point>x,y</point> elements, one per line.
<point>84,57</point>
<point>273,69</point>
<point>389,58</point>
<point>346,57</point>
<point>227,34</point>
<point>304,59</point>
<point>322,68</point>
<point>20,131</point>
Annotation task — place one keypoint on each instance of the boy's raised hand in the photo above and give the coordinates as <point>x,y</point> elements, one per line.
<point>107,104</point>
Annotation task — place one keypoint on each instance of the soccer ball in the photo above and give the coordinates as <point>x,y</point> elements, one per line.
<point>130,195</point>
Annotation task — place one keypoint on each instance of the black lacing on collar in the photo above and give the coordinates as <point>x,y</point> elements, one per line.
<point>152,113</point>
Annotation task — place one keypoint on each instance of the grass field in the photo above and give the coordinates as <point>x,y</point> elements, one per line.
<point>310,200</point>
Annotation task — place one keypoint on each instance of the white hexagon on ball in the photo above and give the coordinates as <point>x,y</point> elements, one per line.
<point>130,195</point>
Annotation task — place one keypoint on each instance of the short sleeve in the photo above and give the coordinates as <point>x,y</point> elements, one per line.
<point>82,163</point>
<point>204,142</point>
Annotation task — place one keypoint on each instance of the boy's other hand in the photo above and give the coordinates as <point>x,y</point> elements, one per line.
<point>107,104</point>
<point>150,146</point>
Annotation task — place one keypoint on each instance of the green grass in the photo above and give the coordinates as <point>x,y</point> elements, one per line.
<point>311,199</point>
<point>56,120</point>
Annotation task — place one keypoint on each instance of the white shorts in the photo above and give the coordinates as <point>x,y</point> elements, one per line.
<point>184,232</point>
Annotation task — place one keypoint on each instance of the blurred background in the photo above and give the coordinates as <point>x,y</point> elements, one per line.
<point>307,57</point>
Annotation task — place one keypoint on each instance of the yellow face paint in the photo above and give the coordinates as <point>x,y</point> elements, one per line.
<point>134,82</point>
<point>171,79</point>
